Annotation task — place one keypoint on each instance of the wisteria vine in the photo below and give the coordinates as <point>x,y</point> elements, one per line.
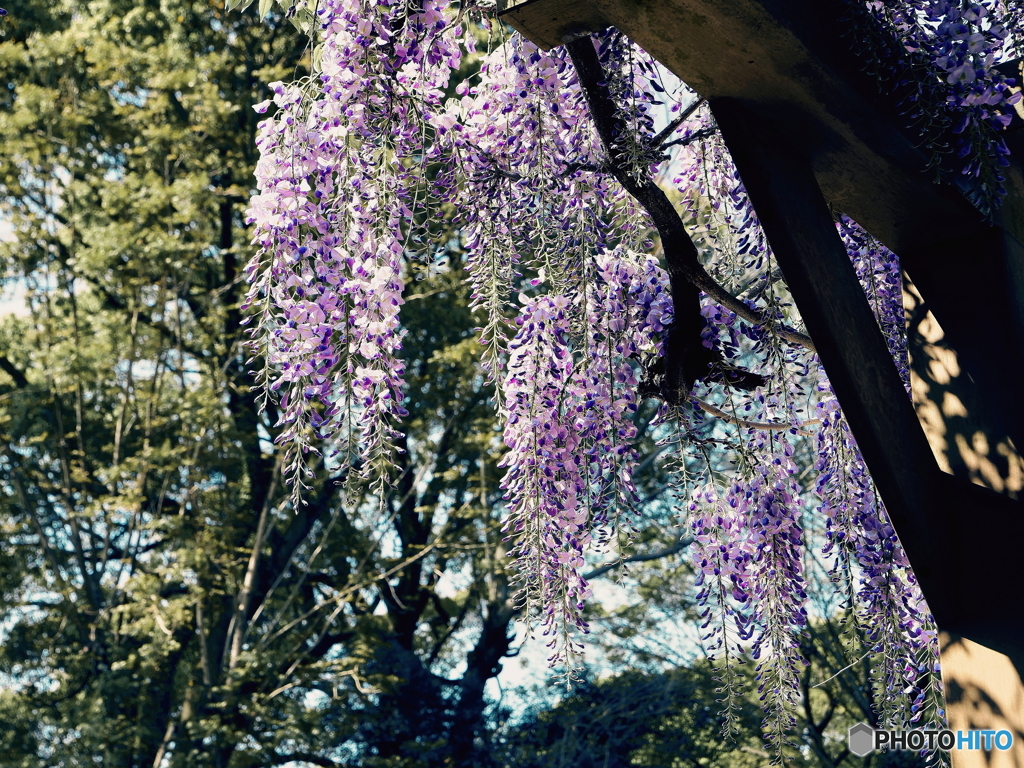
<point>576,311</point>
<point>333,220</point>
<point>939,57</point>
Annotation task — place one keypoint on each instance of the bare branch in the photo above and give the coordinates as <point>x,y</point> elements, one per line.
<point>703,133</point>
<point>775,426</point>
<point>679,546</point>
<point>16,375</point>
<point>672,127</point>
<point>237,628</point>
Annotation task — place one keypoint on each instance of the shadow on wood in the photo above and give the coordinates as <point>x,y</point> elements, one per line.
<point>952,410</point>
<point>983,692</point>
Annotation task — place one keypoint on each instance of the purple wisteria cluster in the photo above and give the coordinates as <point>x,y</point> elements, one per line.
<point>575,314</point>
<point>333,219</point>
<point>867,555</point>
<point>939,56</point>
<point>530,198</point>
<point>878,270</point>
<point>749,538</point>
<point>748,547</point>
<point>570,402</point>
<point>870,563</point>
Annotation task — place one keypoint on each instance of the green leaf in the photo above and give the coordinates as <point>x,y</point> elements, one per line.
<point>241,5</point>
<point>265,6</point>
<point>303,20</point>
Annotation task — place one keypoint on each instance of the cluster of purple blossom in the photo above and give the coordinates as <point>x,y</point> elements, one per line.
<point>529,197</point>
<point>333,219</point>
<point>341,181</point>
<point>749,532</point>
<point>946,75</point>
<point>570,402</point>
<point>858,530</point>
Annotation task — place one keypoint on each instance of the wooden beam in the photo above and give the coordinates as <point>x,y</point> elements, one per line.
<point>792,57</point>
<point>804,240</point>
<point>974,285</point>
<point>952,555</point>
<point>549,24</point>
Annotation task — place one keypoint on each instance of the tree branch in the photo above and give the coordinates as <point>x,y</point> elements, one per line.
<point>679,546</point>
<point>453,627</point>
<point>20,382</point>
<point>774,426</point>
<point>237,628</point>
<point>672,127</point>
<point>113,301</point>
<point>681,254</point>
<point>703,133</point>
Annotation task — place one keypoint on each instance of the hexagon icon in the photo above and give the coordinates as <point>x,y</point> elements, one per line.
<point>861,739</point>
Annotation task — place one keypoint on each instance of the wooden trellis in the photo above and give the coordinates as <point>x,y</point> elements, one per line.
<point>810,133</point>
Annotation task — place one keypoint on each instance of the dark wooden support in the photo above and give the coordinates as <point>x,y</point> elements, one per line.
<point>807,246</point>
<point>927,507</point>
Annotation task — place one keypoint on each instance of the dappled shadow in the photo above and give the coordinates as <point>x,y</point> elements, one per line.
<point>963,427</point>
<point>983,692</point>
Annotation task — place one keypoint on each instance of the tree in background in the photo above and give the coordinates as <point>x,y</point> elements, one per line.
<point>131,440</point>
<point>163,602</point>
<point>674,718</point>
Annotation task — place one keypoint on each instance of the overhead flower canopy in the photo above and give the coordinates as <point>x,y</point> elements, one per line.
<point>560,184</point>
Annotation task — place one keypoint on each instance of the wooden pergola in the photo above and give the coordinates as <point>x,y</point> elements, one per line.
<point>811,133</point>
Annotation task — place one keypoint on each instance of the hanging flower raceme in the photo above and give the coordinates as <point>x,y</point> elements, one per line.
<point>542,215</point>
<point>940,57</point>
<point>871,567</point>
<point>748,536</point>
<point>531,194</point>
<point>570,402</point>
<point>332,220</point>
<point>546,483</point>
<point>721,555</point>
<point>748,551</point>
<point>778,587</point>
<point>878,270</point>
